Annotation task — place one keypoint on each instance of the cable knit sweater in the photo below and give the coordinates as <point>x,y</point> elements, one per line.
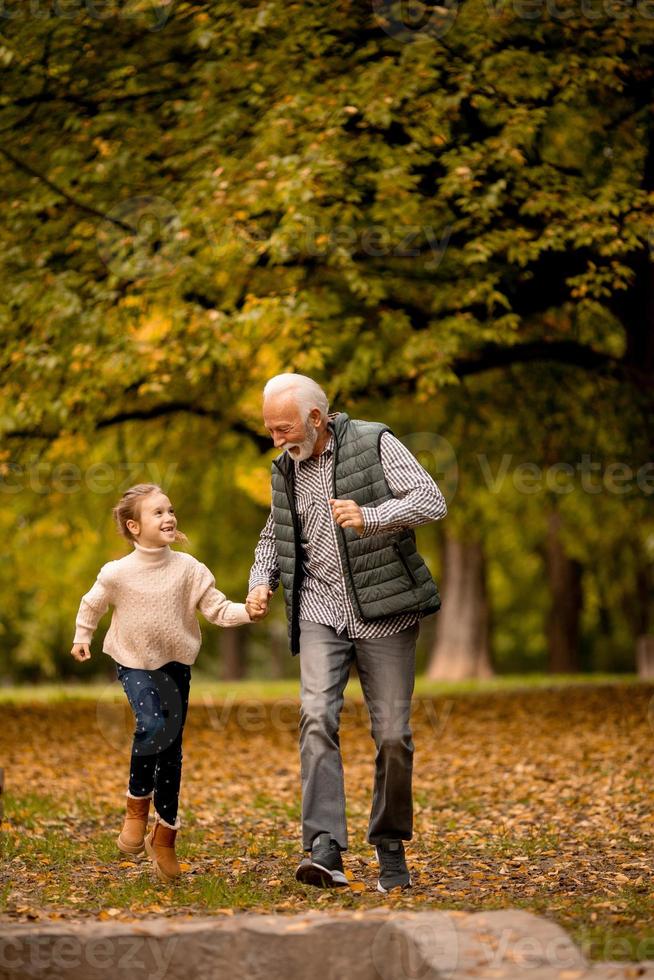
<point>154,592</point>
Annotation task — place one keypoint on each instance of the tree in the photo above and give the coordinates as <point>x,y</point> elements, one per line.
<point>450,202</point>
<point>409,216</point>
<point>462,648</point>
<point>564,578</point>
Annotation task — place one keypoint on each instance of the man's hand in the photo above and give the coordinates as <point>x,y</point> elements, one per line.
<point>257,601</point>
<point>347,513</point>
<point>81,651</point>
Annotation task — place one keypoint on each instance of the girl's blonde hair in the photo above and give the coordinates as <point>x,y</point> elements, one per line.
<point>128,508</point>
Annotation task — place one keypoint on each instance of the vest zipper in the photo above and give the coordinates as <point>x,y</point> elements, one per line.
<point>344,539</point>
<point>407,567</point>
<point>295,596</point>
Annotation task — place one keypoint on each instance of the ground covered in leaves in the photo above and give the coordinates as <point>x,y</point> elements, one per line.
<point>538,799</point>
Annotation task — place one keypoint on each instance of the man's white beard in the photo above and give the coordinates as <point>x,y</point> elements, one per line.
<point>307,445</point>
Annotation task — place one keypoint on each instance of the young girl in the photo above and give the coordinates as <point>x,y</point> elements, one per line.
<point>154,637</point>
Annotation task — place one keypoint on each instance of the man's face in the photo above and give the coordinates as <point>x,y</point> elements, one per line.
<point>281,416</point>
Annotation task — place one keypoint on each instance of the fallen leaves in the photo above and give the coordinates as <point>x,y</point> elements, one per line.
<point>541,800</point>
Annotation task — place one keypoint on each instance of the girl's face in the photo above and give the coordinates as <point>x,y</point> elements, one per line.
<point>157,523</point>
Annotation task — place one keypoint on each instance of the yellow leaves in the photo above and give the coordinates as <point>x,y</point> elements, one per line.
<point>520,800</point>
<point>153,329</point>
<point>109,914</point>
<point>102,146</point>
<point>28,912</point>
<point>69,446</point>
<point>254,480</point>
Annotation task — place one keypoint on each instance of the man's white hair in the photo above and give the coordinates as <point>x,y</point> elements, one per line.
<point>307,393</point>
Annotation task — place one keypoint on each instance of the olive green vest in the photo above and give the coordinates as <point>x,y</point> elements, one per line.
<point>384,574</point>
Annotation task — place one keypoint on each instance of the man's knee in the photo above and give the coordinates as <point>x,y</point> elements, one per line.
<point>318,718</point>
<point>393,743</point>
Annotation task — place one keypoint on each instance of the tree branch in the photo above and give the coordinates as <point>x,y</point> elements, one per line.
<point>86,208</point>
<point>92,105</point>
<point>559,351</point>
<point>262,441</point>
<point>488,358</point>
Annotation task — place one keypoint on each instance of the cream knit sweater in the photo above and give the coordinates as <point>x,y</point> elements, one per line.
<point>154,592</point>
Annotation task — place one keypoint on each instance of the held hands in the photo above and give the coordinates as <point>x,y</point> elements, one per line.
<point>81,651</point>
<point>257,601</point>
<point>347,513</point>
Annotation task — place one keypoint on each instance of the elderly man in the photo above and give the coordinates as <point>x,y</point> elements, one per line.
<point>345,495</point>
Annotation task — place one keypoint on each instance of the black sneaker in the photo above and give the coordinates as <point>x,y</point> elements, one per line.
<point>324,868</point>
<point>393,872</point>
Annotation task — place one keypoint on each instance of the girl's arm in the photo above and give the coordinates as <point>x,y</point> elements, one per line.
<point>215,606</point>
<point>92,608</point>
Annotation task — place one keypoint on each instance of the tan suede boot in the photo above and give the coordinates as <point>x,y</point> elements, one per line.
<point>160,847</point>
<point>130,839</point>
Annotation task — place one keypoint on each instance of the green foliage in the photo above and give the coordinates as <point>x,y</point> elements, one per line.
<point>321,195</point>
<point>200,195</point>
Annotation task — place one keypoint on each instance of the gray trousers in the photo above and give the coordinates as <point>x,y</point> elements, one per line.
<point>386,668</point>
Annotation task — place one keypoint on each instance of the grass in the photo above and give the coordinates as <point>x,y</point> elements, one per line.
<point>203,687</point>
<point>75,876</point>
<point>539,799</point>
<point>89,864</point>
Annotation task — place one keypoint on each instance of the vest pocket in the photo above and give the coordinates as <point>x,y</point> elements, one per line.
<point>407,568</point>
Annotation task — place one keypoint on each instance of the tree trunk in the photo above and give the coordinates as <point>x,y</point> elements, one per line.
<point>462,647</point>
<point>645,657</point>
<point>564,578</point>
<point>277,645</point>
<point>643,619</point>
<point>232,654</point>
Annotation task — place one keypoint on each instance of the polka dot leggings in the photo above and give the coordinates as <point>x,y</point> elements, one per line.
<point>159,700</point>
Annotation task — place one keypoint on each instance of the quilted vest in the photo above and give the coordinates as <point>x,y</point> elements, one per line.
<point>384,573</point>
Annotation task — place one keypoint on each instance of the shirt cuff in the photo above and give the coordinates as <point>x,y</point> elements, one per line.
<point>371,522</point>
<point>260,580</point>
<point>83,635</point>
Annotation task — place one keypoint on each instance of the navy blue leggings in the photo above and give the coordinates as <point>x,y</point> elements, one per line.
<point>159,700</point>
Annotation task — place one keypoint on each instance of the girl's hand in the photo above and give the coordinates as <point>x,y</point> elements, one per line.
<point>81,651</point>
<point>256,612</point>
<point>257,602</point>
